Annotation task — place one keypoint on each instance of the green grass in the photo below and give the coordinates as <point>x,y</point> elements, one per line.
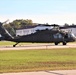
<point>5,43</point>
<point>36,60</point>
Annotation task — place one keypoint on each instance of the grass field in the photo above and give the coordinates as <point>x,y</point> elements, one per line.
<point>7,43</point>
<point>36,60</point>
<point>2,43</point>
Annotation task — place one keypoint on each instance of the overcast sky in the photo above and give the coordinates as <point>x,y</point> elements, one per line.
<point>40,11</point>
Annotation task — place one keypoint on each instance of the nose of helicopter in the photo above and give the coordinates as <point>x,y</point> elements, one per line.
<point>73,37</point>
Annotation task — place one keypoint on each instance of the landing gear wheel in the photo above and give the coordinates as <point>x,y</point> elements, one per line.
<point>15,44</point>
<point>64,43</point>
<point>56,43</point>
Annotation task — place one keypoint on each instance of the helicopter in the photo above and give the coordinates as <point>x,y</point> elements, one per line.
<point>41,34</point>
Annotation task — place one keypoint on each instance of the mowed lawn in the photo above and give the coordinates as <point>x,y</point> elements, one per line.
<point>5,43</point>
<point>8,43</point>
<point>37,60</point>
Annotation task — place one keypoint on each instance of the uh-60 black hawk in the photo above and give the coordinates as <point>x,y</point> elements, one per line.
<point>40,34</point>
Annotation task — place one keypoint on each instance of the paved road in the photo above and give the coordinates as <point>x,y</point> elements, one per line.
<point>37,46</point>
<point>61,72</point>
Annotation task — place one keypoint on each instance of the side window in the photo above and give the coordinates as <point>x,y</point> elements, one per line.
<point>55,36</point>
<point>58,35</point>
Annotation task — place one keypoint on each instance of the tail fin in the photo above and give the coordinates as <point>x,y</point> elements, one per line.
<point>4,32</point>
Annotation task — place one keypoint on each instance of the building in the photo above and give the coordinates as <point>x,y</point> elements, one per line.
<point>32,29</point>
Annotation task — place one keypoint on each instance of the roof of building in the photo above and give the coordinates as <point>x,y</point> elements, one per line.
<point>65,27</point>
<point>27,27</point>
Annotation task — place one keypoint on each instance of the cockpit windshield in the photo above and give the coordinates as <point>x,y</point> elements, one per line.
<point>71,35</point>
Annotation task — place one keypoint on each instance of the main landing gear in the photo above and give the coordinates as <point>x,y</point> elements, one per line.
<point>64,43</point>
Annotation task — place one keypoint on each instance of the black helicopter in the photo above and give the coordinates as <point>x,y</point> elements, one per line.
<point>49,34</point>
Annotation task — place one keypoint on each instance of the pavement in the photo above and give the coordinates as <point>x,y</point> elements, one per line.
<point>37,46</point>
<point>60,72</point>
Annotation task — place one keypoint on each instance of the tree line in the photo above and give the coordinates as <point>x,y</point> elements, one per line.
<point>17,24</point>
